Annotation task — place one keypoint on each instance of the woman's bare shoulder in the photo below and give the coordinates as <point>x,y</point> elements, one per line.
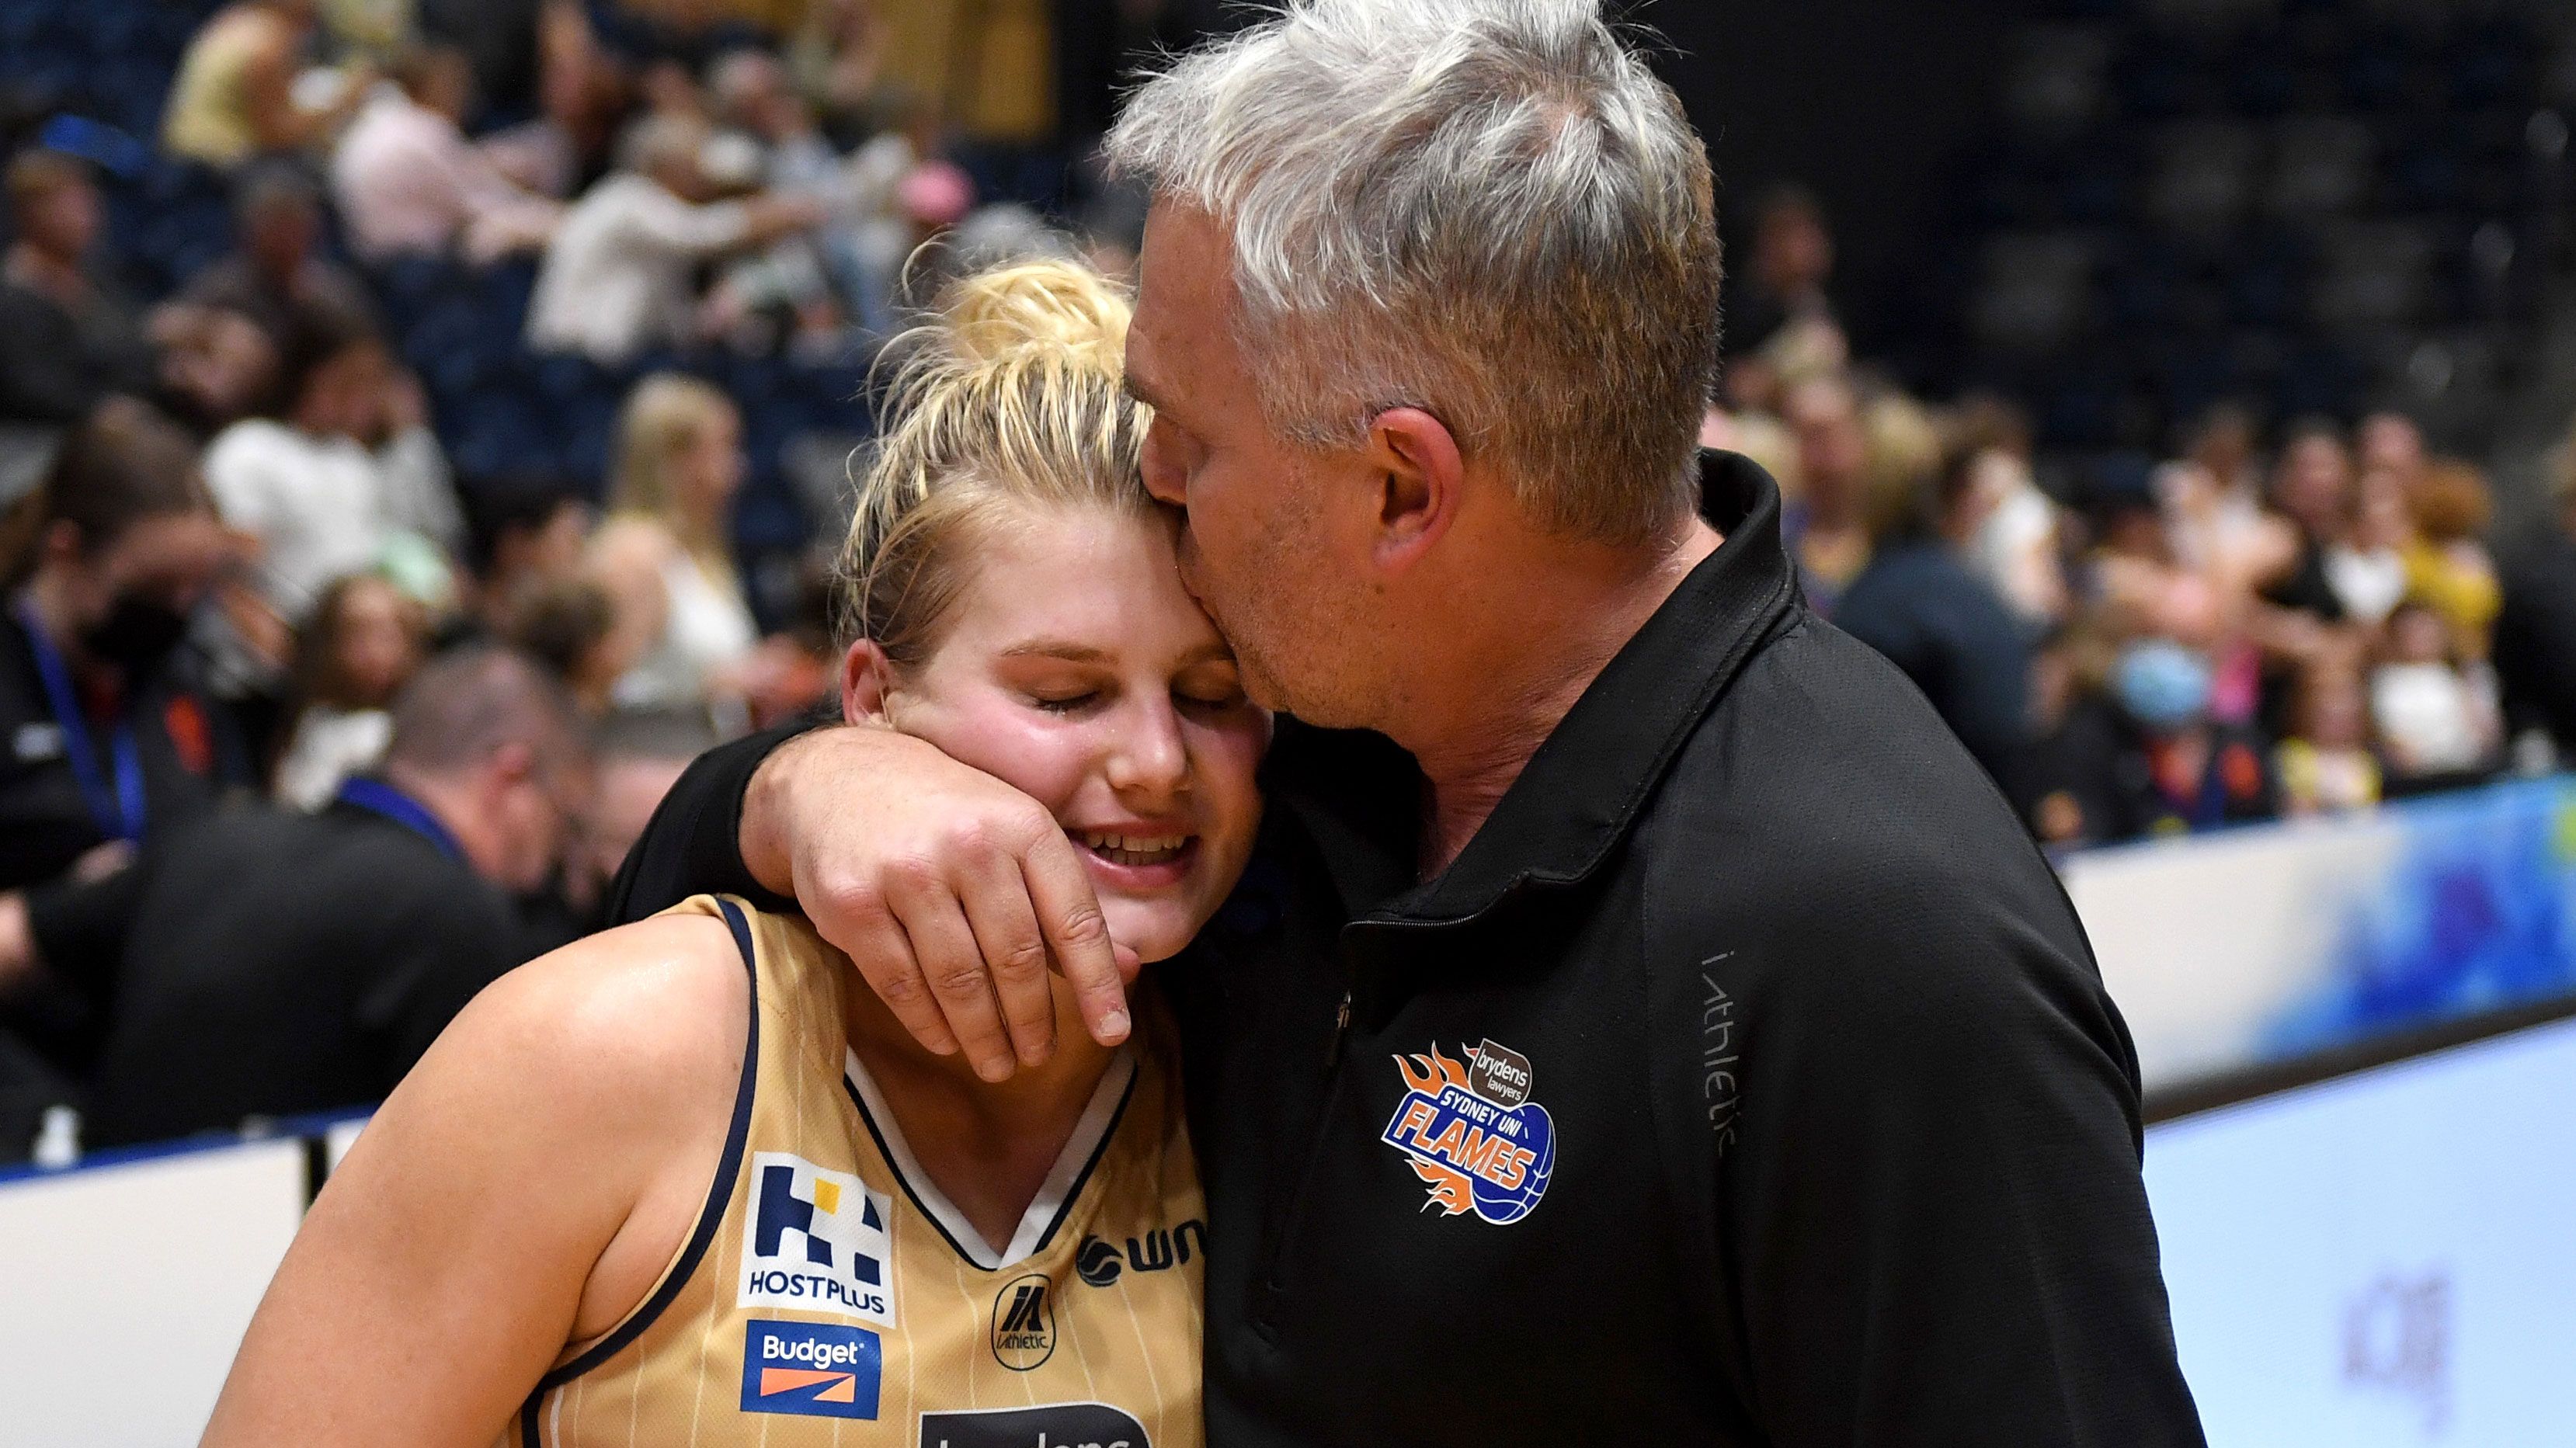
<point>646,1006</point>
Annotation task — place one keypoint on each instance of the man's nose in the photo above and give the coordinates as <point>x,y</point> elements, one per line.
<point>1163,478</point>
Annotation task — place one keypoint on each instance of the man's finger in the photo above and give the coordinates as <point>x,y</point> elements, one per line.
<point>954,966</point>
<point>877,945</point>
<point>1006,930</point>
<point>1077,937</point>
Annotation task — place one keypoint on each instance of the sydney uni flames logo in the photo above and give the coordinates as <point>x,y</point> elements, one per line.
<point>1472,1133</point>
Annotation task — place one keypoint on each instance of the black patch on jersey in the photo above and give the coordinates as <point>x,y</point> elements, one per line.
<point>1057,1425</point>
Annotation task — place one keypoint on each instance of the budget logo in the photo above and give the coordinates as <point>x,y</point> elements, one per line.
<point>818,1241</point>
<point>812,1369</point>
<point>1472,1133</point>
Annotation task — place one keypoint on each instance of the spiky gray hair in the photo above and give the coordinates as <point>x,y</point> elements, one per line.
<point>1489,209</point>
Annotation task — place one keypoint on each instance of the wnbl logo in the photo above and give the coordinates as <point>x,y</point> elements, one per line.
<point>818,1241</point>
<point>1098,1261</point>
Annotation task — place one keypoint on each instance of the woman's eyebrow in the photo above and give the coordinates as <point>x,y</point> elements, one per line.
<point>1065,649</point>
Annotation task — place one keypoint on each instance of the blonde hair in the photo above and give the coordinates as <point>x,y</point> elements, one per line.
<point>1012,395</point>
<point>665,415</point>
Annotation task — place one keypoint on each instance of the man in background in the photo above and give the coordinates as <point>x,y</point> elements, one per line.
<point>267,963</point>
<point>619,277</point>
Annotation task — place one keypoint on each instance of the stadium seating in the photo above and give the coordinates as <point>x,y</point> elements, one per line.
<point>2320,204</point>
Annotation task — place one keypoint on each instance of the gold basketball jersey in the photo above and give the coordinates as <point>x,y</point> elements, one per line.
<point>829,1294</point>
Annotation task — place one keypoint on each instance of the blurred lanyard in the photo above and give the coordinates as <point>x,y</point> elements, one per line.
<point>379,798</point>
<point>119,812</point>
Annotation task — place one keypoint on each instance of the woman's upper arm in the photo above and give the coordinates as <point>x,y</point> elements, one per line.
<point>447,1264</point>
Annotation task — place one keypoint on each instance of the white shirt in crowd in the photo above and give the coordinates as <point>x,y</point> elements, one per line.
<point>331,745</point>
<point>2437,719</point>
<point>408,181</point>
<point>617,277</point>
<point>705,626</point>
<point>324,507</point>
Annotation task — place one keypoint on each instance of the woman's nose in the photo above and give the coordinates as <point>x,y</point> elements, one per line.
<point>1149,757</point>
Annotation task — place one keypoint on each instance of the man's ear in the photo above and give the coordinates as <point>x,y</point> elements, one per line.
<point>513,763</point>
<point>1421,479</point>
<point>867,677</point>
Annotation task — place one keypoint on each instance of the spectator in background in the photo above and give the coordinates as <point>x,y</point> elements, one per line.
<point>234,97</point>
<point>269,962</point>
<point>110,733</point>
<point>2010,527</point>
<point>275,275</point>
<point>352,657</point>
<point>113,734</point>
<point>1785,284</point>
<point>2391,443</point>
<point>2325,766</point>
<point>2535,631</point>
<point>409,183</point>
<point>619,276</point>
<point>2447,563</point>
<point>2179,771</point>
<point>218,365</point>
<point>349,480</point>
<point>665,554</point>
<point>524,531</point>
<point>1917,603</point>
<point>2437,717</point>
<point>2367,565</point>
<point>71,339</point>
<point>1823,527</point>
<point>640,754</point>
<point>570,626</point>
<point>2312,492</point>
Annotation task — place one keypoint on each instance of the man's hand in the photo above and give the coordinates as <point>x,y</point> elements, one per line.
<point>952,892</point>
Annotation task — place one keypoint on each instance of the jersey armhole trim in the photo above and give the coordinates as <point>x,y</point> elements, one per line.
<point>719,1197</point>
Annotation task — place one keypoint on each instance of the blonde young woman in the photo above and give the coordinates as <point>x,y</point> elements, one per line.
<point>684,635</point>
<point>689,1181</point>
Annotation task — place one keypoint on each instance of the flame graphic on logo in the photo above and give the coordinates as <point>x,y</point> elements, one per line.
<point>1427,1074</point>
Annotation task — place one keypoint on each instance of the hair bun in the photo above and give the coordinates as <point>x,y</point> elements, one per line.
<point>1056,308</point>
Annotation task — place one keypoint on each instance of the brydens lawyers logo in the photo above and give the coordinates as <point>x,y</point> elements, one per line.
<point>1473,1135</point>
<point>818,1241</point>
<point>812,1369</point>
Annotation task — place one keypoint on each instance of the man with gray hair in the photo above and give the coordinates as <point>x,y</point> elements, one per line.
<point>1643,1022</point>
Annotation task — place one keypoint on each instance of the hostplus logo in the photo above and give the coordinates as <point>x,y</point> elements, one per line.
<point>818,1241</point>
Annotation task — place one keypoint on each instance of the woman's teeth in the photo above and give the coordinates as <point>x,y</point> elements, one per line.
<point>1134,849</point>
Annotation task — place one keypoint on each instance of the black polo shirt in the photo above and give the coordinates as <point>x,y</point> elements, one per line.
<point>266,962</point>
<point>1746,1080</point>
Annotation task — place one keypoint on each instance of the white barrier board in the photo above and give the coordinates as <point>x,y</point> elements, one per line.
<point>125,1289</point>
<point>2385,1260</point>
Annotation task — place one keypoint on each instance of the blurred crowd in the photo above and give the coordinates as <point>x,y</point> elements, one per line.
<point>312,731</point>
<point>318,718</point>
<point>2285,617</point>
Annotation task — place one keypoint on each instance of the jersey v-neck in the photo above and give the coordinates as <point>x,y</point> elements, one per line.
<point>1056,1195</point>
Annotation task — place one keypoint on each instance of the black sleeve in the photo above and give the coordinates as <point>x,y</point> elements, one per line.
<point>1929,1216</point>
<point>432,958</point>
<point>693,844</point>
<point>80,929</point>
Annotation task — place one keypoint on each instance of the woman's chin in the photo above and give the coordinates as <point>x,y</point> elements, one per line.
<point>1154,929</point>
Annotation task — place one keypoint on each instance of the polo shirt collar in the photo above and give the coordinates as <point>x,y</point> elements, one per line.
<point>1585,787</point>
